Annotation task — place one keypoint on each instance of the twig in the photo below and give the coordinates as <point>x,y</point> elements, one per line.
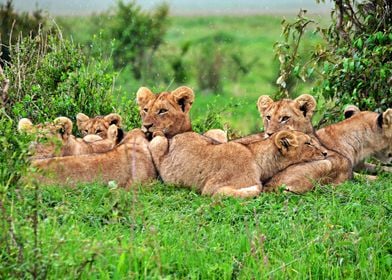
<point>354,18</point>
<point>14,238</point>
<point>4,88</point>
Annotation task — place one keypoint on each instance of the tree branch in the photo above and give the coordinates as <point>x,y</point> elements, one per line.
<point>4,88</point>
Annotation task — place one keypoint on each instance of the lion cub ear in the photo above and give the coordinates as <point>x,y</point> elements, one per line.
<point>263,102</point>
<point>386,122</point>
<point>115,134</point>
<point>112,132</point>
<point>113,119</point>
<point>64,126</point>
<point>184,97</point>
<point>307,104</point>
<point>285,140</point>
<point>25,125</point>
<point>80,119</point>
<point>143,95</point>
<point>350,111</point>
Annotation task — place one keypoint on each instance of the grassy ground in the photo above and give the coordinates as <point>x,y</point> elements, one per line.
<point>160,231</point>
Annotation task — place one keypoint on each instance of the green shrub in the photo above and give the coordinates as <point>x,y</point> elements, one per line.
<point>135,35</point>
<point>12,24</point>
<point>209,67</point>
<point>49,76</point>
<point>353,65</point>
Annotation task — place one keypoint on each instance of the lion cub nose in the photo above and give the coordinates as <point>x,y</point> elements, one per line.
<point>147,126</point>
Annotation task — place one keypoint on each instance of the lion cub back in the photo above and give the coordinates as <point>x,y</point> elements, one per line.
<point>128,163</point>
<point>231,168</point>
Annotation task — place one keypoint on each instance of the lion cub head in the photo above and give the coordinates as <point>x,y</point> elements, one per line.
<point>98,125</point>
<point>298,146</point>
<point>287,114</point>
<point>166,112</point>
<point>49,136</point>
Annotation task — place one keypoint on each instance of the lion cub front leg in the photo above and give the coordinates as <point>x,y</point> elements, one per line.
<point>158,147</point>
<point>246,192</point>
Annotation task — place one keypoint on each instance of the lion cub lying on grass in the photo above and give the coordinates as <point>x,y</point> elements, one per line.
<point>129,162</point>
<point>56,139</point>
<point>348,142</point>
<point>384,156</point>
<point>231,169</point>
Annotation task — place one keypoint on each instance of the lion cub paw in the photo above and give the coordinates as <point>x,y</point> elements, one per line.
<point>158,133</point>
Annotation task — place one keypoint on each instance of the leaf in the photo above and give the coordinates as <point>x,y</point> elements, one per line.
<point>280,81</point>
<point>359,43</point>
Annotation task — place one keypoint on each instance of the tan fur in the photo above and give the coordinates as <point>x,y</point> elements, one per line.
<point>98,125</point>
<point>55,139</point>
<point>231,168</point>
<point>217,134</point>
<point>128,163</point>
<point>287,114</point>
<point>250,138</point>
<point>360,136</point>
<point>349,142</point>
<point>167,112</point>
<point>384,156</point>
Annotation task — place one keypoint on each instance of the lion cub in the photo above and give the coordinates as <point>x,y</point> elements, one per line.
<point>231,169</point>
<point>55,139</point>
<point>129,162</point>
<point>98,125</point>
<point>168,112</point>
<point>384,156</point>
<point>349,142</point>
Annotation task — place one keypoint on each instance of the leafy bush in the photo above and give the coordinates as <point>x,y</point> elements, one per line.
<point>209,66</point>
<point>12,24</point>
<point>49,76</point>
<point>353,65</point>
<point>178,65</point>
<point>135,35</point>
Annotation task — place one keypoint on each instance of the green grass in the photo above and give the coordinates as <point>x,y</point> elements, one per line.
<point>159,231</point>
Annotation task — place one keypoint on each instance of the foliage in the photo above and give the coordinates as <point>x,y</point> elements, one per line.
<point>13,165</point>
<point>249,49</point>
<point>12,24</point>
<point>136,35</point>
<point>178,65</point>
<point>49,77</point>
<point>354,63</point>
<point>209,67</point>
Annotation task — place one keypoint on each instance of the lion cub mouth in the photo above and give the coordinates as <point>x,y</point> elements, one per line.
<point>148,135</point>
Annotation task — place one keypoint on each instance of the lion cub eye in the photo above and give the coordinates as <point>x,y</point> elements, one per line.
<point>162,111</point>
<point>98,131</point>
<point>268,118</point>
<point>285,119</point>
<point>145,110</point>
